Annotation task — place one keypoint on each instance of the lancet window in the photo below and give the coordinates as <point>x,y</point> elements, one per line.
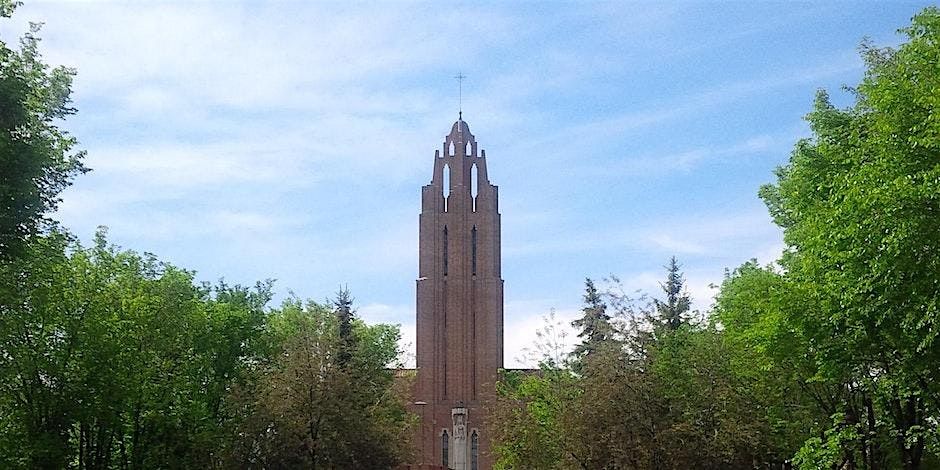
<point>473,249</point>
<point>445,450</point>
<point>474,450</point>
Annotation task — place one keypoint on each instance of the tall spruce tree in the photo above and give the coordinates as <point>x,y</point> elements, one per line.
<point>345,315</point>
<point>673,310</point>
<point>594,325</point>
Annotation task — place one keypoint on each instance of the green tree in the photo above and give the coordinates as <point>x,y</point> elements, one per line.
<point>594,325</point>
<point>673,310</point>
<point>345,316</point>
<point>310,410</point>
<point>771,358</point>
<point>858,203</point>
<point>599,417</point>
<point>610,422</point>
<point>526,418</point>
<point>116,359</point>
<point>38,158</point>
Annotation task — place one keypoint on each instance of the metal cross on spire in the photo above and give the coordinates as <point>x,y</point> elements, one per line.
<point>460,76</point>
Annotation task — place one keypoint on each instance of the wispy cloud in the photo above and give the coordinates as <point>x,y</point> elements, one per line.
<point>666,242</point>
<point>703,234</point>
<point>566,141</point>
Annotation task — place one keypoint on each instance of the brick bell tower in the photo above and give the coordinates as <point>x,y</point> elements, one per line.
<point>459,306</point>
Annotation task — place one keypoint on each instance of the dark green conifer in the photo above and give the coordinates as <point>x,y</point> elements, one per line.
<point>345,315</point>
<point>594,325</point>
<point>673,311</point>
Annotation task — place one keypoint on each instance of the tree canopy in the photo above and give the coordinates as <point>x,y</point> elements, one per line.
<point>38,158</point>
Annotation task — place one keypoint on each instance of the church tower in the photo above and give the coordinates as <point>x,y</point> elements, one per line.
<point>459,306</point>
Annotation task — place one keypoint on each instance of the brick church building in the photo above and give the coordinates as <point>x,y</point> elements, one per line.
<point>459,307</point>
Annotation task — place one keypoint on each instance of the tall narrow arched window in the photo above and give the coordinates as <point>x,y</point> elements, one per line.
<point>468,150</point>
<point>445,250</point>
<point>474,450</point>
<point>474,185</point>
<point>473,250</point>
<point>445,450</point>
<point>452,148</point>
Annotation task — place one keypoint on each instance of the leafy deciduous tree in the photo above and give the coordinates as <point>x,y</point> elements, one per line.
<point>38,158</point>
<point>311,409</point>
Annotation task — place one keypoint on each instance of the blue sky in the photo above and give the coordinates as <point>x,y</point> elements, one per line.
<point>290,140</point>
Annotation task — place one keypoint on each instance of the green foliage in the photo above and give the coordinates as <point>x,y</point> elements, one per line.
<point>113,358</point>
<point>7,7</point>
<point>638,401</point>
<point>527,429</point>
<point>673,311</point>
<point>854,316</point>
<point>38,158</point>
<point>345,315</point>
<point>770,356</point>
<point>708,412</point>
<point>594,325</point>
<point>828,451</point>
<point>312,407</point>
<point>859,205</point>
<point>850,323</point>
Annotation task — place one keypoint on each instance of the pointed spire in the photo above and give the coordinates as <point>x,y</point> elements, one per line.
<point>460,76</point>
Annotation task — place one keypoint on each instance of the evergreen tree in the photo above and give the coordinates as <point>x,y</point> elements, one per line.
<point>345,316</point>
<point>594,325</point>
<point>674,309</point>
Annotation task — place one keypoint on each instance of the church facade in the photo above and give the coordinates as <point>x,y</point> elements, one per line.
<point>459,307</point>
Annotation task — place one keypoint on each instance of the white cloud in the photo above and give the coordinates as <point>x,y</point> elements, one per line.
<point>770,254</point>
<point>384,313</point>
<point>709,234</point>
<point>523,321</point>
<point>408,343</point>
<point>667,243</point>
<point>651,164</point>
<point>192,166</point>
<point>224,225</point>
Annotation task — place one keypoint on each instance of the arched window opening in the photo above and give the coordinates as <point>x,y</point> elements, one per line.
<point>445,184</point>
<point>474,183</point>
<point>452,148</point>
<point>445,250</point>
<point>445,450</point>
<point>474,450</point>
<point>468,150</point>
<point>473,249</point>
